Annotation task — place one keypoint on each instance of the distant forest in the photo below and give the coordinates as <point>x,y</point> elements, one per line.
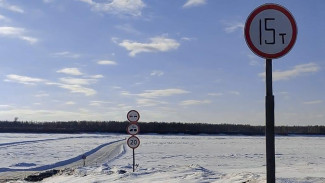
<point>152,127</point>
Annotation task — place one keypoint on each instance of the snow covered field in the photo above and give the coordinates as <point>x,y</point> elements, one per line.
<point>168,158</point>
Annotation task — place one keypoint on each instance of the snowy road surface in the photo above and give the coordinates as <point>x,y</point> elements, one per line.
<point>172,158</point>
<point>96,155</point>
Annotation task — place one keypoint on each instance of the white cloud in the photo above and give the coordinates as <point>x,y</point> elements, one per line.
<point>16,32</point>
<point>126,93</point>
<point>234,92</point>
<point>116,87</point>
<point>3,18</point>
<point>295,72</point>
<point>192,3</point>
<point>284,93</point>
<point>115,40</point>
<point>187,39</point>
<point>158,93</point>
<point>95,103</point>
<point>42,94</point>
<point>70,103</point>
<point>156,44</point>
<point>23,79</point>
<point>98,76</point>
<point>13,8</point>
<point>215,94</point>
<point>161,93</point>
<point>29,39</point>
<point>79,89</point>
<point>47,115</point>
<point>73,88</point>
<point>67,54</point>
<point>156,73</point>
<point>124,106</point>
<point>232,27</point>
<point>74,85</point>
<point>254,60</point>
<point>106,62</point>
<point>5,106</point>
<point>194,102</point>
<point>48,1</point>
<point>11,31</point>
<point>98,103</point>
<point>128,28</point>
<point>77,81</point>
<point>70,71</point>
<point>149,102</point>
<point>117,7</point>
<point>313,102</point>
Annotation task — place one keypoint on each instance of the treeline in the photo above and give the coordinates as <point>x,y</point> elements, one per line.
<point>151,127</point>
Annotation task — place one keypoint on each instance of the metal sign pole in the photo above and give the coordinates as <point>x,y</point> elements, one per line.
<point>269,126</point>
<point>133,160</point>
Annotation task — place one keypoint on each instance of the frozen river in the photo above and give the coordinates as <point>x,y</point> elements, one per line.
<point>168,158</point>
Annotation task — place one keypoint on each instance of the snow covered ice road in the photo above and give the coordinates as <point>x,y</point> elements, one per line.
<point>102,153</point>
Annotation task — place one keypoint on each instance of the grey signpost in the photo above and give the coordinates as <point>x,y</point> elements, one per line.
<point>270,32</point>
<point>133,129</point>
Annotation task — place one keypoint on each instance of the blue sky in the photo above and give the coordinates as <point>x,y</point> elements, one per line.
<point>174,61</point>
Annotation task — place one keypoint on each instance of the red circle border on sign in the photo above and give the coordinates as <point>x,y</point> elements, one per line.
<point>127,116</point>
<point>136,138</point>
<point>293,26</point>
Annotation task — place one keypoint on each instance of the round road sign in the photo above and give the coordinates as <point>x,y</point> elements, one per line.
<point>133,129</point>
<point>133,142</point>
<point>270,31</point>
<point>133,116</point>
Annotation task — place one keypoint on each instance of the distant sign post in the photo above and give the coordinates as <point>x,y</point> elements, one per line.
<point>270,32</point>
<point>133,129</point>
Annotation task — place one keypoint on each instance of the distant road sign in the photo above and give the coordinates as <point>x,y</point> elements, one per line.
<point>133,116</point>
<point>270,31</point>
<point>133,129</point>
<point>133,142</point>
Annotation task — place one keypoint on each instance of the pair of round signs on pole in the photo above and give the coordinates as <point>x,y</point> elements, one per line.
<point>133,129</point>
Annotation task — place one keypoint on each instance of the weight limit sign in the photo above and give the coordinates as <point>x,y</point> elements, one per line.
<point>270,31</point>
